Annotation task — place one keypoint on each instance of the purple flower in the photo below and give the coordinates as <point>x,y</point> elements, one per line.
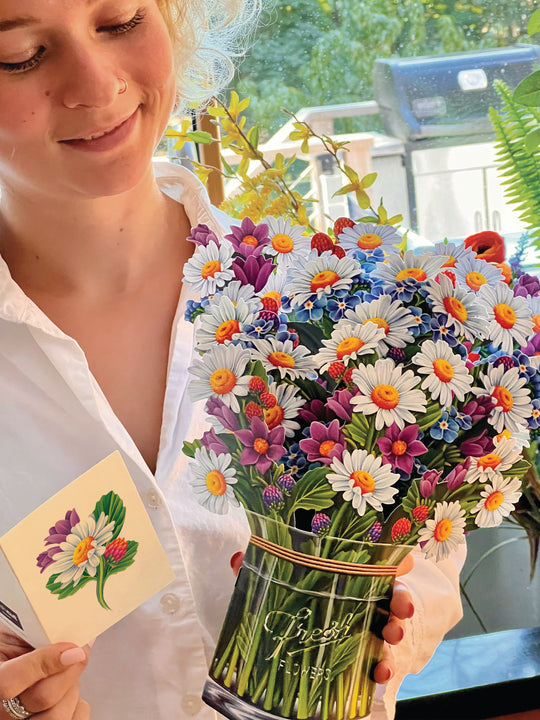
<point>254,270</point>
<point>57,535</point>
<point>478,408</point>
<point>477,446</point>
<point>532,347</point>
<point>400,447</point>
<point>325,442</point>
<point>217,408</point>
<point>262,446</point>
<point>316,410</point>
<point>272,498</point>
<point>202,235</point>
<point>248,238</point>
<point>375,531</point>
<point>527,285</point>
<point>286,483</point>
<point>211,441</point>
<point>320,524</point>
<point>340,404</point>
<point>456,476</point>
<point>428,482</point>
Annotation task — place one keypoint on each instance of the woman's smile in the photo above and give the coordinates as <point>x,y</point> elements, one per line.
<point>102,140</point>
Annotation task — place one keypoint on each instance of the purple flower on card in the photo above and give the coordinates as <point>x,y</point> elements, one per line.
<point>217,408</point>
<point>527,285</point>
<point>477,446</point>
<point>248,238</point>
<point>340,404</point>
<point>533,346</point>
<point>202,235</point>
<point>57,534</point>
<point>316,411</point>
<point>478,408</point>
<point>400,447</point>
<point>211,441</point>
<point>262,446</point>
<point>456,476</point>
<point>320,524</point>
<point>325,442</point>
<point>272,498</point>
<point>254,270</point>
<point>429,482</point>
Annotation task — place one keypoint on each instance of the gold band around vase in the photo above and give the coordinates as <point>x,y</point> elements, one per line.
<point>318,563</point>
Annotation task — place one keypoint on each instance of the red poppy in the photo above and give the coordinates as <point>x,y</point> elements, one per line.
<point>487,245</point>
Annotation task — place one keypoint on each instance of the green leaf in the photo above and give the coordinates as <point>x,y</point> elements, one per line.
<point>56,589</point>
<point>313,491</point>
<point>517,470</point>
<point>216,111</point>
<point>189,448</point>
<point>528,91</point>
<point>113,507</point>
<point>344,656</point>
<point>432,414</point>
<point>200,136</point>
<point>369,179</point>
<point>362,198</point>
<point>532,141</point>
<point>358,429</point>
<point>533,26</point>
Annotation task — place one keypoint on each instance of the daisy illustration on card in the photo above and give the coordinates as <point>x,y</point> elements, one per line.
<point>79,551</point>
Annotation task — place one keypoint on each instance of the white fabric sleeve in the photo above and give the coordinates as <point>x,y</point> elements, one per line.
<point>435,592</point>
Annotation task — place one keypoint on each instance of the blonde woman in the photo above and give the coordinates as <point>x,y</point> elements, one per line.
<point>94,349</point>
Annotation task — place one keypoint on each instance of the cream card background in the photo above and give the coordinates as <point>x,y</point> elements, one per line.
<point>79,617</point>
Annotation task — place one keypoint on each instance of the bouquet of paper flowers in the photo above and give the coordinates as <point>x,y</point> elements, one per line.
<point>363,400</point>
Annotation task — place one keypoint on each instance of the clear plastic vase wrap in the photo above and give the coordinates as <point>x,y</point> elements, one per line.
<point>302,633</point>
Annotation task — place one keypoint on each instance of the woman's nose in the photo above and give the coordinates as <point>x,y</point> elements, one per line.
<point>91,80</point>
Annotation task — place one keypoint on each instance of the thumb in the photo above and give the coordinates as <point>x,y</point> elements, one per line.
<point>26,670</point>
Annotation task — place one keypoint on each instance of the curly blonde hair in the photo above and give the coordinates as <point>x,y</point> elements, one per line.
<point>207,35</point>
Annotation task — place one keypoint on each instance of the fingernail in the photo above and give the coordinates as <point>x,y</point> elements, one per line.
<point>235,558</point>
<point>401,634</point>
<point>387,675</point>
<point>410,611</point>
<point>90,643</point>
<point>72,656</point>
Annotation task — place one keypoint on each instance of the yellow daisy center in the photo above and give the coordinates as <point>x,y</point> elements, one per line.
<point>450,262</point>
<point>379,322</point>
<point>274,416</point>
<point>369,241</point>
<point>216,483</point>
<point>226,330</point>
<point>385,397</point>
<point>536,323</point>
<point>82,550</point>
<point>222,381</point>
<point>281,359</point>
<point>399,447</point>
<point>274,295</point>
<point>326,447</point>
<point>415,273</point>
<point>455,308</point>
<point>494,500</point>
<point>323,279</point>
<point>503,398</point>
<point>260,446</point>
<point>282,243</point>
<point>363,480</point>
<point>348,346</point>
<point>504,315</point>
<point>491,460</point>
<point>475,280</point>
<point>443,530</point>
<point>250,240</point>
<point>210,268</point>
<point>443,370</point>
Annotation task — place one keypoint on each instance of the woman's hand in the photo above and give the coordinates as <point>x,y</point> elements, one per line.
<point>401,609</point>
<point>46,681</point>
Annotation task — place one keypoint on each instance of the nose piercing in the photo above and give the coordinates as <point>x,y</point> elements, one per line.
<point>123,86</point>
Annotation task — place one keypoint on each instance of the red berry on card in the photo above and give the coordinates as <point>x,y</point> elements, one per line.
<point>401,529</point>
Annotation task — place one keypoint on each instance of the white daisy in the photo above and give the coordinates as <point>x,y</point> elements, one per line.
<point>221,373</point>
<point>209,268</point>
<point>388,392</point>
<point>275,287</point>
<point>221,323</point>
<point>489,466</point>
<point>321,276</point>
<point>498,501</point>
<point>509,316</point>
<point>444,532</point>
<point>285,411</point>
<point>347,342</point>
<point>293,362</point>
<point>211,478</point>
<point>235,291</point>
<point>451,253</point>
<point>367,237</point>
<point>464,312</point>
<point>82,549</point>
<point>388,314</point>
<point>474,273</point>
<point>512,399</point>
<point>363,479</point>
<point>288,244</point>
<point>534,307</point>
<point>447,374</point>
<point>416,267</point>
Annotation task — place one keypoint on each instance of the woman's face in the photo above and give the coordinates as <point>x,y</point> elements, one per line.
<point>69,124</point>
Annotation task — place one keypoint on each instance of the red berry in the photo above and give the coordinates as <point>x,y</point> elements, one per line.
<point>257,385</point>
<point>347,375</point>
<point>269,303</point>
<point>115,550</point>
<point>340,224</point>
<point>420,513</point>
<point>321,242</point>
<point>338,251</point>
<point>400,529</point>
<point>253,410</point>
<point>268,400</point>
<point>336,369</point>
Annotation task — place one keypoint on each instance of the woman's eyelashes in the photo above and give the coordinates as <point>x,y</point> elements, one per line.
<point>35,60</point>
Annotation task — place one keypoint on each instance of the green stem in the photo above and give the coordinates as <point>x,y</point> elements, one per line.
<point>232,667</point>
<point>223,659</point>
<point>101,576</point>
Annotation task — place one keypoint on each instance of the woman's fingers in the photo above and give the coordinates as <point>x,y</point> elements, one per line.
<point>64,709</point>
<point>236,562</point>
<point>401,604</point>
<point>82,711</point>
<point>394,630</point>
<point>386,668</point>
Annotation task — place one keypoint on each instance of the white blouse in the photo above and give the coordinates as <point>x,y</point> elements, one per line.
<point>55,423</point>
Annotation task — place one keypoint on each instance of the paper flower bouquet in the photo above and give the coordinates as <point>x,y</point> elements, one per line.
<point>363,401</point>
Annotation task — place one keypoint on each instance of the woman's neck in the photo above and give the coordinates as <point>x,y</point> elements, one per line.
<point>102,246</point>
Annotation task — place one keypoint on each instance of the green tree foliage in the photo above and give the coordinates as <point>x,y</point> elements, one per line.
<point>320,52</point>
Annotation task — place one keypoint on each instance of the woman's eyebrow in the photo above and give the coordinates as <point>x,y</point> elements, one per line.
<point>17,23</point>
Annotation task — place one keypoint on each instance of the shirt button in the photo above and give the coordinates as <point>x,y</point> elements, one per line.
<point>191,704</point>
<point>153,500</point>
<point>170,603</point>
